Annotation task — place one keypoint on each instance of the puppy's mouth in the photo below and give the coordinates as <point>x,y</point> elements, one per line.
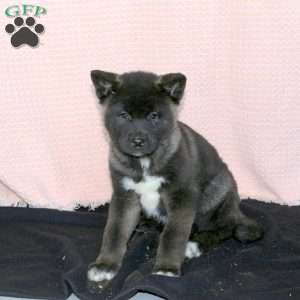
<point>138,154</point>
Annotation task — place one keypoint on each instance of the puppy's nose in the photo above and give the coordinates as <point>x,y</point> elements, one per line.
<point>138,142</point>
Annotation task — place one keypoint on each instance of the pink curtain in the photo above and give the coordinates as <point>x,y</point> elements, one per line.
<point>242,61</point>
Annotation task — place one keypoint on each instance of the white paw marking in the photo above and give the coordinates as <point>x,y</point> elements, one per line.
<point>169,274</point>
<point>94,274</point>
<point>192,250</point>
<point>147,188</point>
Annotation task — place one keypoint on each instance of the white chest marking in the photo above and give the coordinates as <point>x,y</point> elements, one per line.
<point>147,189</point>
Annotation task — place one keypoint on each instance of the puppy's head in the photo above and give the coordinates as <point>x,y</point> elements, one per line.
<point>139,108</point>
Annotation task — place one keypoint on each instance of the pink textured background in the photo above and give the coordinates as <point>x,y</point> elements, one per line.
<point>242,61</point>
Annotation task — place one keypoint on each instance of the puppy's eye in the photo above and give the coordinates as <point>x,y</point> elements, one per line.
<point>153,116</point>
<point>125,115</point>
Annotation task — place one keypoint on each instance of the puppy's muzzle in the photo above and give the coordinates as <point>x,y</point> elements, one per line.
<point>138,142</point>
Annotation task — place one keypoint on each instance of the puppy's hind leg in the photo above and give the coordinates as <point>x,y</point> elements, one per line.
<point>245,229</point>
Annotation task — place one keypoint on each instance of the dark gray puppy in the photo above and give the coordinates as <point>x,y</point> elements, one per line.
<point>162,168</point>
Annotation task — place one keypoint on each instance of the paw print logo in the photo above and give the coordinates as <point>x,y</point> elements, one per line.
<point>27,33</point>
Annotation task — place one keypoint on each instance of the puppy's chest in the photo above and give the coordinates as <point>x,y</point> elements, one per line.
<point>148,190</point>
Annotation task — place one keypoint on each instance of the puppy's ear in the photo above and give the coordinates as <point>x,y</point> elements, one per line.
<point>173,84</point>
<point>106,83</point>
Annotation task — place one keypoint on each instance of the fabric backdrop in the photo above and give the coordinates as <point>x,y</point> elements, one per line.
<point>242,62</point>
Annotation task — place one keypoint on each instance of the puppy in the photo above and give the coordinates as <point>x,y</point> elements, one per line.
<point>161,168</point>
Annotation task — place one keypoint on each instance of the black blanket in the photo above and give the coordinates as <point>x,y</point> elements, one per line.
<point>44,254</point>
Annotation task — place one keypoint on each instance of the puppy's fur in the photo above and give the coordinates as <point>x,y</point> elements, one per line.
<point>163,169</point>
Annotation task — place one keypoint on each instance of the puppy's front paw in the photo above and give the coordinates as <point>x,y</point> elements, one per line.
<point>166,271</point>
<point>99,275</point>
